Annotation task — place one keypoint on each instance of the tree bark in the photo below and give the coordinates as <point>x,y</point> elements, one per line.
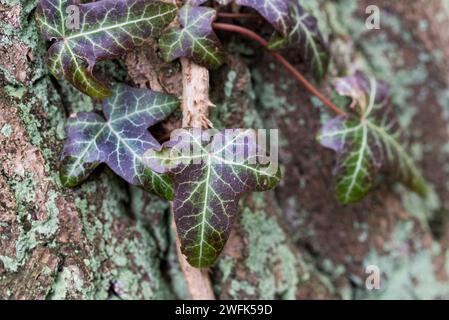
<point>108,240</point>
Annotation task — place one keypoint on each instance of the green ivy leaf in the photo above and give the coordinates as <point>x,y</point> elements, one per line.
<point>106,29</point>
<point>210,174</point>
<point>195,39</point>
<point>120,141</point>
<point>366,142</point>
<point>305,36</point>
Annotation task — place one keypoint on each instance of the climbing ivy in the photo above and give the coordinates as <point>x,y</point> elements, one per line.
<point>206,174</point>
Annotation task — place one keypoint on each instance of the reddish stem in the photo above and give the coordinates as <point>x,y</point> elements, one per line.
<point>254,36</point>
<point>238,15</point>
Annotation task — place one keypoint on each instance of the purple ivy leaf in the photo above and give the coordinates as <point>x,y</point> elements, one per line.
<point>210,174</point>
<point>195,39</point>
<point>366,142</point>
<point>120,140</point>
<point>356,87</point>
<point>274,11</point>
<point>306,37</point>
<point>195,3</point>
<point>106,29</point>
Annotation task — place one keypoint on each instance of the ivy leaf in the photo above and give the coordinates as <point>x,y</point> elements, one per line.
<point>106,29</point>
<point>307,38</point>
<point>210,174</point>
<point>274,11</point>
<point>366,142</point>
<point>120,141</point>
<point>195,39</point>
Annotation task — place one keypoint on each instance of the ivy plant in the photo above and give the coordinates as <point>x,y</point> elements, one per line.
<point>101,30</point>
<point>305,37</point>
<point>119,139</point>
<point>195,38</point>
<point>205,186</point>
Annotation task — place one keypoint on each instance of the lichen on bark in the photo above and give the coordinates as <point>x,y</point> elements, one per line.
<point>63,243</point>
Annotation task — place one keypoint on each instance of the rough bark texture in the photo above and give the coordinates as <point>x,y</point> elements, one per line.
<point>105,239</point>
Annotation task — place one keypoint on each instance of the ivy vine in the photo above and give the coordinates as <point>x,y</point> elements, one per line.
<point>364,134</point>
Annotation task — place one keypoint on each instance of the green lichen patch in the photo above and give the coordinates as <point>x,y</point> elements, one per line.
<point>266,266</point>
<point>68,282</point>
<point>267,247</point>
